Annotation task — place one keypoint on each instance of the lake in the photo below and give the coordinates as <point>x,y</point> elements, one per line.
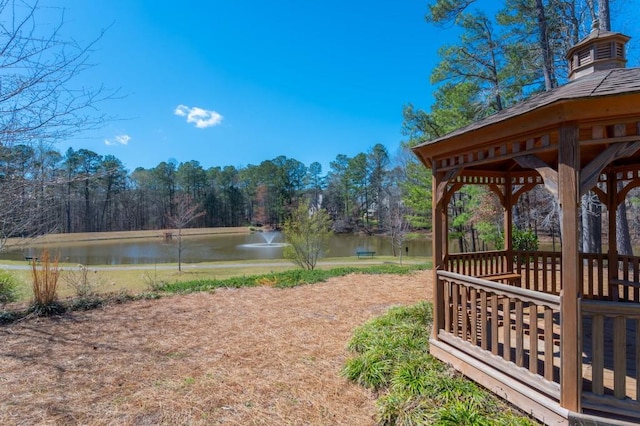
<point>209,248</point>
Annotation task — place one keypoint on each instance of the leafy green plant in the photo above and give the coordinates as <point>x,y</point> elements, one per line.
<point>524,240</point>
<point>385,343</point>
<point>371,370</point>
<point>8,287</point>
<point>307,234</point>
<point>392,357</point>
<point>462,413</point>
<point>400,408</point>
<point>417,376</point>
<point>490,234</point>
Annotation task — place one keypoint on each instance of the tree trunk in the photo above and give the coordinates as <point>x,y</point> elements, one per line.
<point>68,206</point>
<point>87,207</point>
<point>591,224</point>
<point>623,237</point>
<point>547,68</point>
<point>179,249</point>
<point>603,15</point>
<point>107,200</point>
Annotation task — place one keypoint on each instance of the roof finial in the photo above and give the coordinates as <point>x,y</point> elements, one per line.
<point>595,25</point>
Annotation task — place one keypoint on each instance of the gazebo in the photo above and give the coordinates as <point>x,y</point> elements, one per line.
<point>555,333</point>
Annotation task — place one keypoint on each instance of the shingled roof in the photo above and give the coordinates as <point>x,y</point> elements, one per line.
<point>599,84</point>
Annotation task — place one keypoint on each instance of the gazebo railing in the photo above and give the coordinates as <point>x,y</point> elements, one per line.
<point>540,271</point>
<point>515,327</point>
<point>478,263</point>
<point>511,329</point>
<point>626,287</point>
<point>611,357</point>
<point>595,276</point>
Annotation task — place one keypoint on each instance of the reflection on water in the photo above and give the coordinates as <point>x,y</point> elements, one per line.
<point>206,249</point>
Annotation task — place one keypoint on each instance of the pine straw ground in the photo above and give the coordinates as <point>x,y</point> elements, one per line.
<point>236,356</point>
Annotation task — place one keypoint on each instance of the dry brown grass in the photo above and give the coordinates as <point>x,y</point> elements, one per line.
<point>120,235</point>
<point>44,276</point>
<point>237,356</point>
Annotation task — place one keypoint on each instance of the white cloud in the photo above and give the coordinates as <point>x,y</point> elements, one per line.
<point>118,140</point>
<point>202,118</point>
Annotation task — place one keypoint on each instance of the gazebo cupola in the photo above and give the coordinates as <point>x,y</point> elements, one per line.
<point>599,51</point>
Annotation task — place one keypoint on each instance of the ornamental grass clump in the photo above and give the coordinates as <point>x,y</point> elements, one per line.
<point>45,275</point>
<point>391,357</point>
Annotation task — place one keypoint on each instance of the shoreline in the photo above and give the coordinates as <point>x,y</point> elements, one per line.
<point>122,235</point>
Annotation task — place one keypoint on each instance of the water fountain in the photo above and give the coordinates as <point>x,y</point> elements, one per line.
<point>268,238</point>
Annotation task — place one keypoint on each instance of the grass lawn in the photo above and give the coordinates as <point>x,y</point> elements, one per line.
<point>136,279</point>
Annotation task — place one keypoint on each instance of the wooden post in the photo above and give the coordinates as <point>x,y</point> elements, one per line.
<point>613,202</point>
<point>570,324</point>
<point>508,225</point>
<point>439,233</point>
<point>612,252</point>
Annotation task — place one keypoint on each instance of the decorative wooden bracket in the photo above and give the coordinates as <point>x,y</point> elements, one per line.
<point>452,190</point>
<point>591,172</point>
<point>548,174</point>
<point>498,191</point>
<point>442,185</point>
<point>602,196</point>
<point>623,193</point>
<point>521,190</point>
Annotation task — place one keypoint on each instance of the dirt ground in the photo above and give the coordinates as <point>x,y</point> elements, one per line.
<point>261,356</point>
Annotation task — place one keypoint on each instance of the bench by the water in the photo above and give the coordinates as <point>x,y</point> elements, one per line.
<point>30,258</point>
<point>365,253</point>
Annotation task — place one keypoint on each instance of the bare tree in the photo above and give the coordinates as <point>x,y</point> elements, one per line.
<point>185,211</point>
<point>397,228</point>
<point>39,102</point>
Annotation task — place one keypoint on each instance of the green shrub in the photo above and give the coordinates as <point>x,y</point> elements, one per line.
<point>398,408</point>
<point>307,235</point>
<point>372,369</point>
<point>462,413</point>
<point>524,240</point>
<point>8,287</point>
<point>392,357</point>
<point>418,376</point>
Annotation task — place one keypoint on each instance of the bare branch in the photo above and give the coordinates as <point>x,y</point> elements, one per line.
<point>38,100</point>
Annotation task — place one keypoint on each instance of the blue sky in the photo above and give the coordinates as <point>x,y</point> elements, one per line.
<point>241,81</point>
<point>251,80</point>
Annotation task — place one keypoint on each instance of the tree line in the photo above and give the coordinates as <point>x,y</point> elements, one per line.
<point>82,191</point>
